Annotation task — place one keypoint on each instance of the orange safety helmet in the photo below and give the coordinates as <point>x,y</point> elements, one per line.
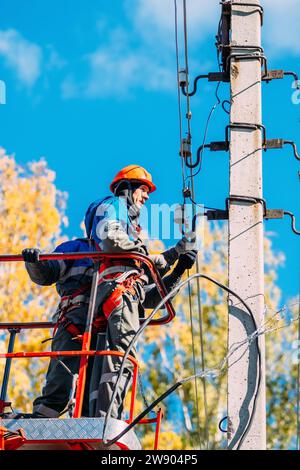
<point>134,173</point>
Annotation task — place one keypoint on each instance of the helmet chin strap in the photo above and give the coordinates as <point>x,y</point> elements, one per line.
<point>127,194</point>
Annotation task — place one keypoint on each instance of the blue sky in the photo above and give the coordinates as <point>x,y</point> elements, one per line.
<point>91,86</point>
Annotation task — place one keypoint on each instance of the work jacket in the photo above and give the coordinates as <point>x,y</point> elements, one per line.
<point>109,229</point>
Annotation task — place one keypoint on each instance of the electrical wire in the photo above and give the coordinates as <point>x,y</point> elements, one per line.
<point>141,387</point>
<point>187,94</point>
<point>201,149</point>
<point>138,334</point>
<point>208,372</point>
<point>188,115</point>
<point>183,185</point>
<point>194,361</point>
<point>186,55</point>
<point>178,89</point>
<point>293,221</point>
<point>200,320</point>
<point>206,128</point>
<point>189,137</point>
<point>293,144</point>
<point>223,106</point>
<point>218,102</point>
<point>220,424</point>
<point>182,160</point>
<point>196,79</point>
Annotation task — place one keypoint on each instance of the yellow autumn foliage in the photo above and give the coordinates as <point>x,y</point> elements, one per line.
<point>31,215</point>
<point>168,440</point>
<point>170,349</point>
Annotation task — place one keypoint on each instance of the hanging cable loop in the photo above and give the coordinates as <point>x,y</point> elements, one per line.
<point>223,106</point>
<point>220,424</point>
<point>296,78</point>
<point>293,144</point>
<point>199,154</point>
<point>194,91</point>
<point>293,221</point>
<point>176,385</point>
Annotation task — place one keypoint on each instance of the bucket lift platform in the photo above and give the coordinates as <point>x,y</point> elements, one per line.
<point>66,434</point>
<point>76,432</point>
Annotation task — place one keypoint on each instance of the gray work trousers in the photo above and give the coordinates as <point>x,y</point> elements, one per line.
<point>123,324</point>
<point>102,371</point>
<point>58,388</point>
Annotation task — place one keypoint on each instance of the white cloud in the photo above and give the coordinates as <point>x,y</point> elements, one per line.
<point>54,61</point>
<point>154,19</point>
<point>20,55</point>
<point>143,56</point>
<point>69,89</point>
<point>119,66</point>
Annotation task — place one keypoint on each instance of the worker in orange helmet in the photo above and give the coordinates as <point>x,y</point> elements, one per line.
<point>125,289</point>
<point>115,228</point>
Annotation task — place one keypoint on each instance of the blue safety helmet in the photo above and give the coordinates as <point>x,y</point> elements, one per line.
<point>89,216</point>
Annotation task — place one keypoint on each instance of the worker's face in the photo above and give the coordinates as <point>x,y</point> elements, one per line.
<point>140,195</point>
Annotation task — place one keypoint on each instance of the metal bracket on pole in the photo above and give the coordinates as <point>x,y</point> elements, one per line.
<point>279,214</point>
<point>221,214</point>
<point>274,214</point>
<point>211,77</point>
<point>257,53</point>
<point>246,126</point>
<point>279,143</point>
<point>224,145</point>
<point>266,76</point>
<point>258,8</point>
<point>216,214</point>
<point>223,35</point>
<point>267,144</point>
<point>250,199</point>
<point>278,75</point>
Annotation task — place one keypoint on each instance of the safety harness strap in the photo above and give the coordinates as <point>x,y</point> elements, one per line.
<point>115,298</point>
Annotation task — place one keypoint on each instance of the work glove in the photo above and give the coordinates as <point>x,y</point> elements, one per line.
<point>31,255</point>
<point>186,261</point>
<point>186,244</point>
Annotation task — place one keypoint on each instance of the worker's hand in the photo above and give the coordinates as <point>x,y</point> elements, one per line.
<point>186,261</point>
<point>31,255</point>
<point>187,243</point>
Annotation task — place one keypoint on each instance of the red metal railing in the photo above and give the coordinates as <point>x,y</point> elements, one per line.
<point>87,353</point>
<point>81,353</point>
<point>101,256</point>
<point>86,337</point>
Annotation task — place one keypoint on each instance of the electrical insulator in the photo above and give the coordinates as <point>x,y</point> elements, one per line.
<point>181,217</point>
<point>182,77</point>
<point>186,149</point>
<point>186,193</point>
<point>179,214</point>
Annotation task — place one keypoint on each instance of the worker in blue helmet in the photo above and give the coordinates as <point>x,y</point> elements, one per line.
<point>112,225</point>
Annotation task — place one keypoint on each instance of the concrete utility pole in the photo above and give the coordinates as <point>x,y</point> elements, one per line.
<point>246,254</point>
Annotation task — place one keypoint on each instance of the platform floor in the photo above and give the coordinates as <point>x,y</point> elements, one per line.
<point>40,433</point>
